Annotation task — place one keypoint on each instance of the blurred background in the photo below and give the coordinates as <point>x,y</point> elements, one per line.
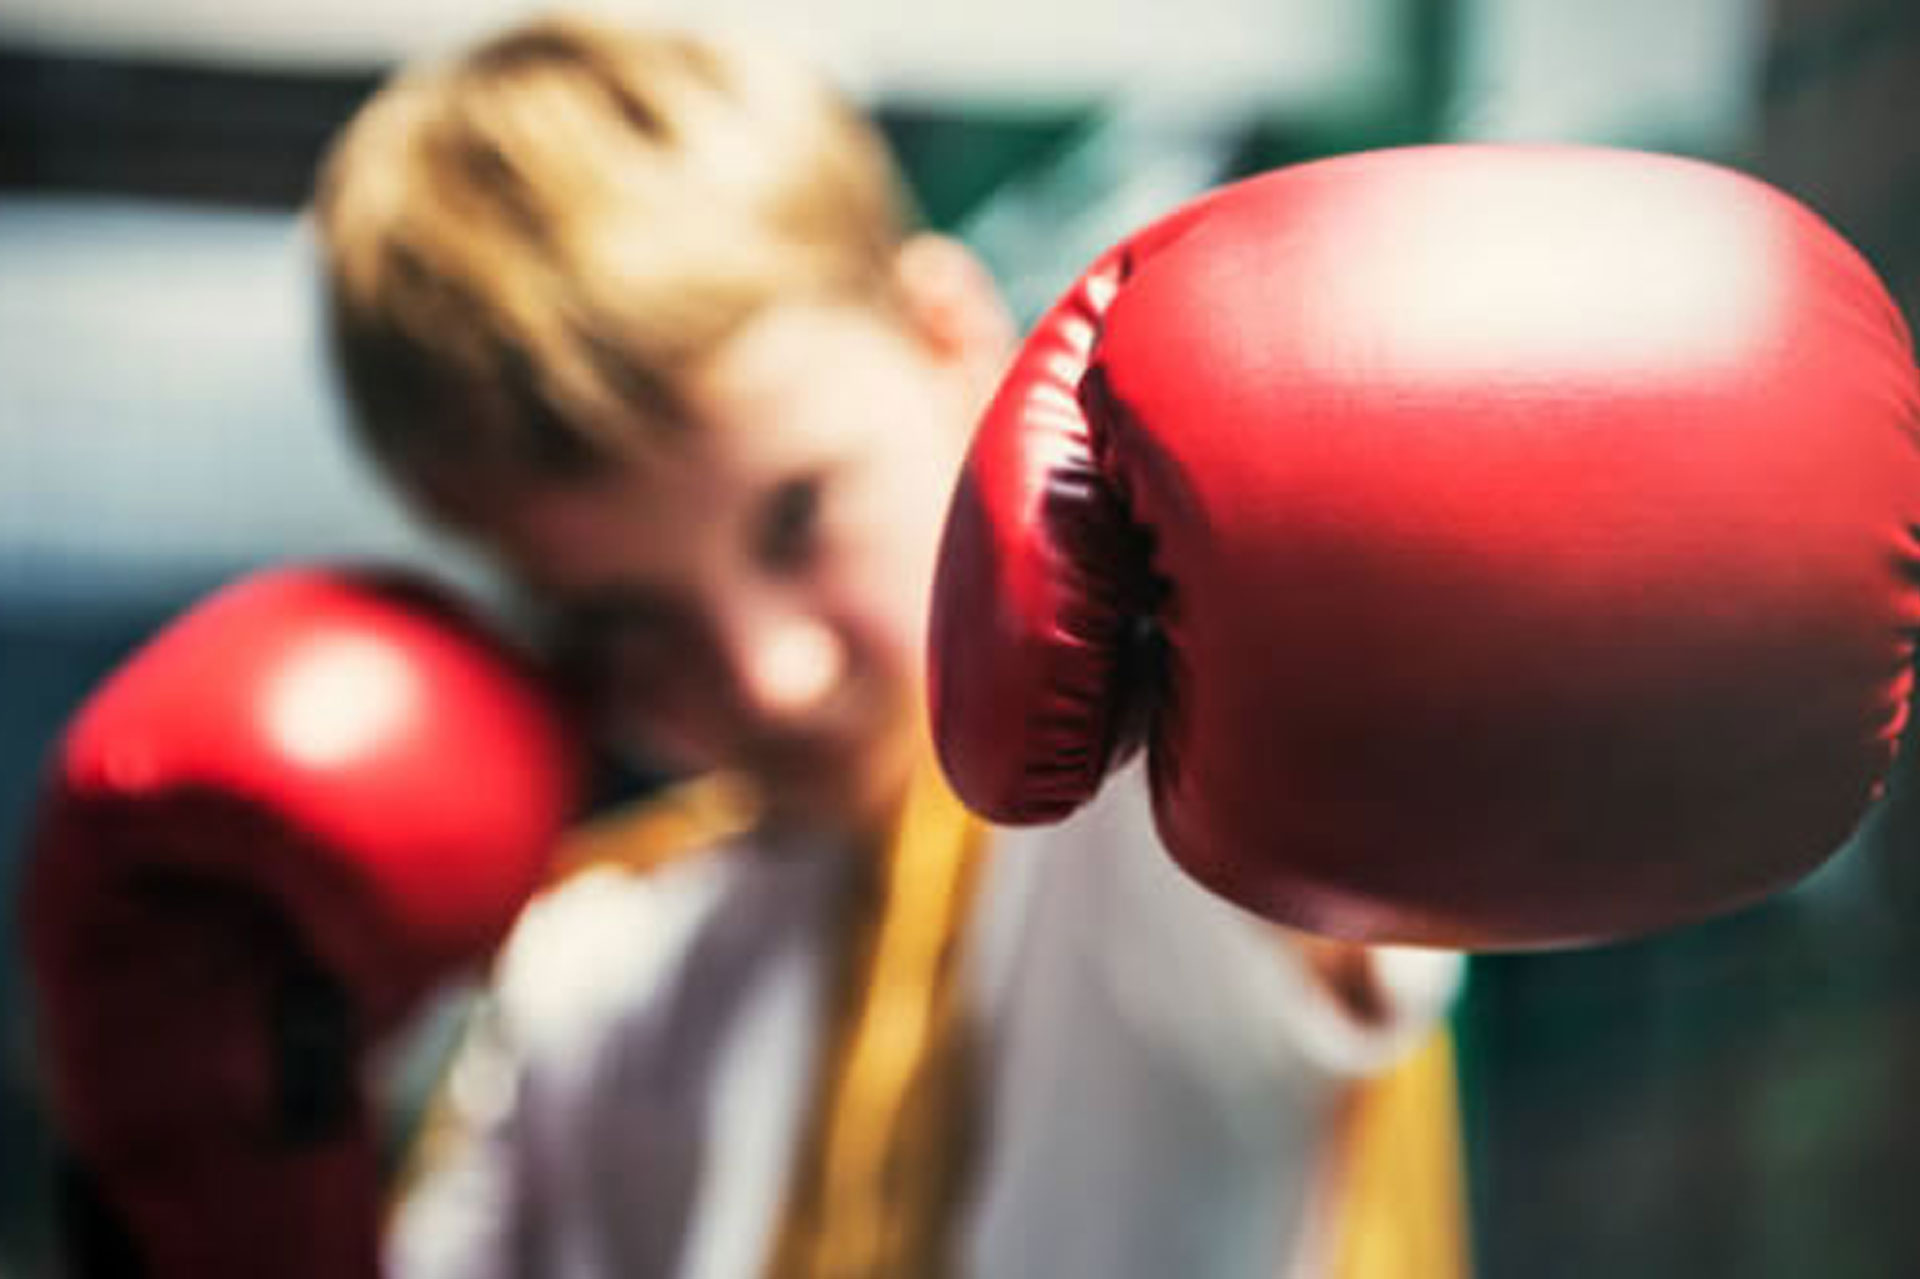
<point>1736,1098</point>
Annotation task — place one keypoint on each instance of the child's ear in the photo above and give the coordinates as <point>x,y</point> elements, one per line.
<point>952,301</point>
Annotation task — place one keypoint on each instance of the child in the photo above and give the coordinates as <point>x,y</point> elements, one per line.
<point>644,318</point>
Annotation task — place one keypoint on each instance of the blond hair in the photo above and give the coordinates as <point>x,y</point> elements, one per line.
<point>525,248</point>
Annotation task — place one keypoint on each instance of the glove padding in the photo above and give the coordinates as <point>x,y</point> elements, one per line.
<point>1493,546</point>
<point>263,840</point>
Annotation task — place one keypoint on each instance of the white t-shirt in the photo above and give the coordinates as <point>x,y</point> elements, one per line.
<point>1161,1088</point>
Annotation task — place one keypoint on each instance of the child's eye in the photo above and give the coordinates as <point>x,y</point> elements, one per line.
<point>790,530</point>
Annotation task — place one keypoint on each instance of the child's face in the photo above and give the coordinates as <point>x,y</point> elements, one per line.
<point>752,594</point>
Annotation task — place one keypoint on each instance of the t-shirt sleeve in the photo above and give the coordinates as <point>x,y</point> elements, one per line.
<point>460,1211</point>
<point>1193,970</point>
<point>475,1197</point>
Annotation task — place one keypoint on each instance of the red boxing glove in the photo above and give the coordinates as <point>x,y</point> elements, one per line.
<point>266,837</point>
<point>1495,546</point>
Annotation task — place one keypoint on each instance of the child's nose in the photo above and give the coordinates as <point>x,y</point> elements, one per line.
<point>786,665</point>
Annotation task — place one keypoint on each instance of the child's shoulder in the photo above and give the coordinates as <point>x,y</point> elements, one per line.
<point>628,892</point>
<point>672,826</point>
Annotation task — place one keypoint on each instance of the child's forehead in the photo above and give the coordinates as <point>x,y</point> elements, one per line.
<point>800,373</point>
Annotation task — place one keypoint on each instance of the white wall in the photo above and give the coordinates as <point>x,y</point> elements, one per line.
<point>165,413</point>
<point>1293,51</point>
